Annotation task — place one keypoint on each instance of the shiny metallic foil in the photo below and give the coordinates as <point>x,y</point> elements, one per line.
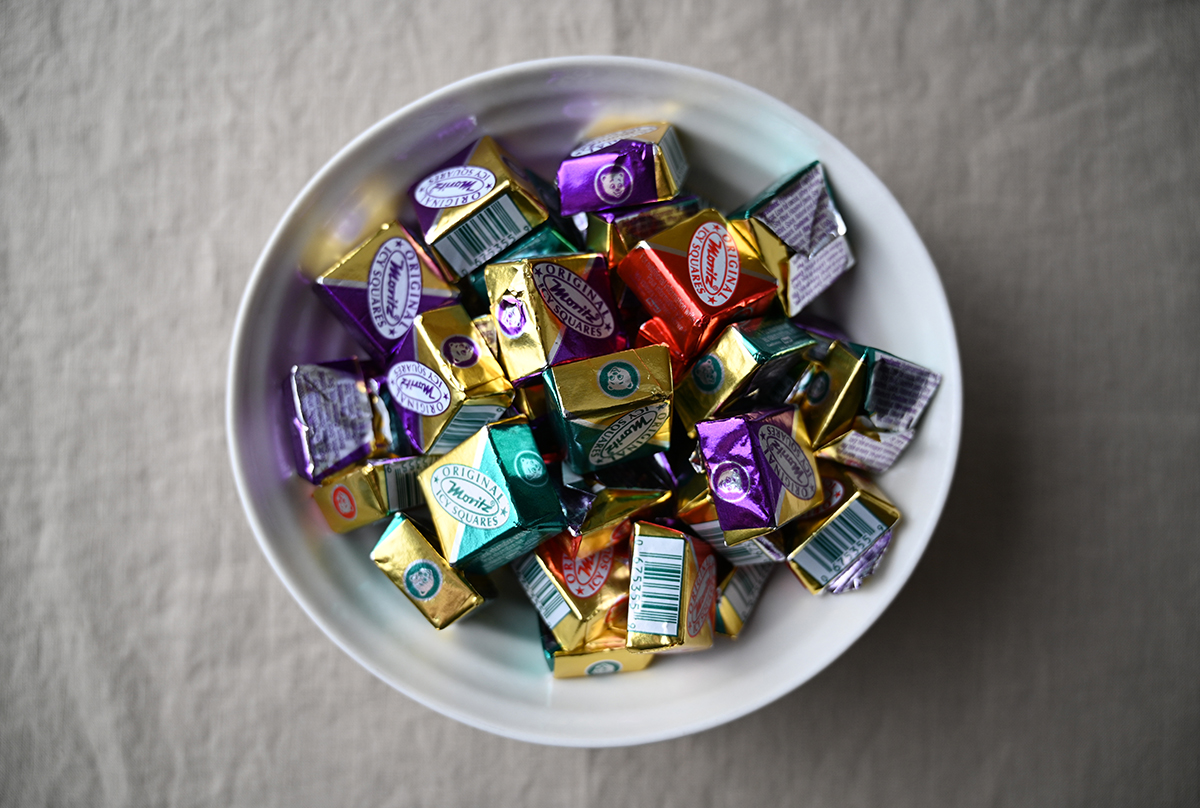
<point>761,470</point>
<point>694,279</point>
<point>672,591</point>
<point>865,447</point>
<point>609,520</point>
<point>381,285</point>
<point>490,498</point>
<point>498,206</point>
<point>577,598</point>
<point>613,233</point>
<point>613,408</point>
<point>371,491</point>
<point>696,509</point>
<point>851,519</point>
<point>607,654</point>
<point>737,595</point>
<point>440,592</point>
<point>551,310</point>
<point>631,166</point>
<point>444,382</point>
<point>830,393</point>
<point>747,358</point>
<point>332,420</point>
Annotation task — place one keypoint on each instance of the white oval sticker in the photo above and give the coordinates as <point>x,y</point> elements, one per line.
<point>394,288</point>
<point>713,264</point>
<point>604,141</point>
<point>585,576</point>
<point>418,388</point>
<point>452,187</point>
<point>627,434</point>
<point>470,496</point>
<point>704,595</point>
<point>573,301</point>
<point>787,460</point>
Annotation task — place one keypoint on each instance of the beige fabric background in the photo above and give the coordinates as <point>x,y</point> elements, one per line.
<point>1045,651</point>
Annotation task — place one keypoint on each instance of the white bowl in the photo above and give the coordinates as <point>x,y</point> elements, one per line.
<point>488,671</point>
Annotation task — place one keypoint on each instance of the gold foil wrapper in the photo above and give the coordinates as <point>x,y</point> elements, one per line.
<point>614,234</point>
<point>865,447</point>
<point>852,517</point>
<point>354,268</point>
<point>610,519</point>
<point>486,327</point>
<point>440,592</point>
<point>830,393</point>
<point>512,202</point>
<point>532,322</point>
<point>475,390</point>
<point>695,508</point>
<point>737,595</point>
<point>367,492</point>
<point>672,591</point>
<point>607,655</point>
<point>578,599</point>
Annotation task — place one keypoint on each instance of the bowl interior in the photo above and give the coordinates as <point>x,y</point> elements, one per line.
<point>488,671</point>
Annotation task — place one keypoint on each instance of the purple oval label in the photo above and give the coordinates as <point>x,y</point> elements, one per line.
<point>613,184</point>
<point>394,288</point>
<point>573,300</point>
<point>511,317</point>
<point>787,461</point>
<point>452,187</point>
<point>460,351</point>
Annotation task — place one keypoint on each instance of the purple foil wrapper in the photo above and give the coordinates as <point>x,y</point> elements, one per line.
<point>802,213</point>
<point>617,176</point>
<point>745,488</point>
<point>853,576</point>
<point>330,417</point>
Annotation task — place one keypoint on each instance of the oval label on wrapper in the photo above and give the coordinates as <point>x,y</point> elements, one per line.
<point>531,468</point>
<point>573,300</point>
<point>511,317</point>
<point>585,576</point>
<point>343,502</point>
<point>604,141</point>
<point>708,373</point>
<point>394,288</point>
<point>470,496</point>
<point>460,351</point>
<point>613,184</point>
<point>603,667</point>
<point>786,458</point>
<point>416,387</point>
<point>452,187</point>
<point>730,482</point>
<point>618,379</point>
<point>713,264</point>
<point>422,579</point>
<point>704,595</point>
<point>834,494</point>
<point>627,434</point>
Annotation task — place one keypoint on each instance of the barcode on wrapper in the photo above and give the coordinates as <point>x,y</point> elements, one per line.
<point>542,593</point>
<point>656,585</point>
<point>835,546</point>
<point>745,587</point>
<point>748,552</point>
<point>676,162</point>
<point>403,491</point>
<point>465,423</point>
<point>483,235</point>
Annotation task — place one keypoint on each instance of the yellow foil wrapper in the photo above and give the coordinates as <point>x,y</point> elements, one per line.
<point>609,519</point>
<point>439,591</point>
<point>486,327</point>
<point>368,492</point>
<point>830,393</point>
<point>354,268</point>
<point>827,540</point>
<point>607,655</point>
<point>551,310</point>
<point>672,591</point>
<point>614,233</point>
<point>469,390</point>
<point>577,599</point>
<point>695,507</point>
<point>512,204</point>
<point>737,595</point>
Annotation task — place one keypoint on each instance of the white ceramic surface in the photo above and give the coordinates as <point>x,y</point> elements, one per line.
<point>488,672</point>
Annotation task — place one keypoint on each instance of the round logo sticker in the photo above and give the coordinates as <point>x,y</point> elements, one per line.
<point>786,458</point>
<point>708,373</point>
<point>422,579</point>
<point>834,494</point>
<point>470,496</point>
<point>452,187</point>
<point>394,288</point>
<point>713,264</point>
<point>416,387</point>
<point>703,597</point>
<point>730,482</point>
<point>604,141</point>
<point>585,576</point>
<point>343,502</point>
<point>817,388</point>
<point>530,467</point>
<point>604,666</point>
<point>618,379</point>
<point>511,317</point>
<point>627,434</point>
<point>573,300</point>
<point>613,183</point>
<point>460,351</point>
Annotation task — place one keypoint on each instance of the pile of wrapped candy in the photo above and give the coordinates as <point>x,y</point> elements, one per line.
<point>611,388</point>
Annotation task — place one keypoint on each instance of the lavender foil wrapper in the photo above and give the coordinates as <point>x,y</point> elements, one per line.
<point>744,487</point>
<point>330,417</point>
<point>618,176</point>
<point>352,306</point>
<point>853,576</point>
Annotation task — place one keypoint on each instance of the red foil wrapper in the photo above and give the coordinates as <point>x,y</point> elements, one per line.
<point>694,279</point>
